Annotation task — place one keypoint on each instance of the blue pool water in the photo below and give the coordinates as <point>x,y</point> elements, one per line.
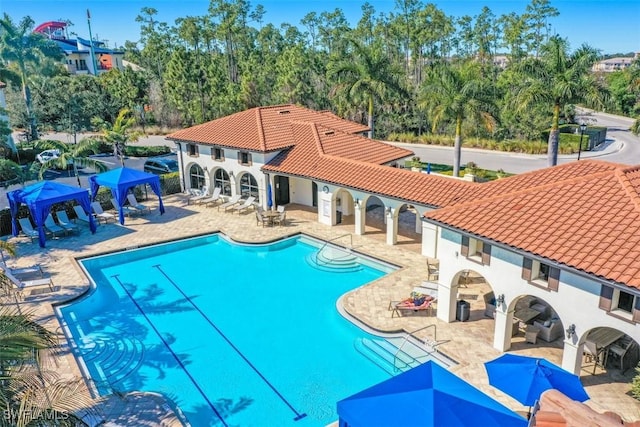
<point>233,334</point>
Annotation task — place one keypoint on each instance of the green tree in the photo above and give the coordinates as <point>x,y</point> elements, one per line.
<point>74,155</point>
<point>558,78</point>
<point>19,45</point>
<point>366,77</point>
<point>454,93</point>
<point>118,133</point>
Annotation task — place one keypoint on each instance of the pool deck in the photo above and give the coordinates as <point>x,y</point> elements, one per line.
<point>469,343</point>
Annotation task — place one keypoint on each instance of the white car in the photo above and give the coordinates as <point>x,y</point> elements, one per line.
<point>47,155</point>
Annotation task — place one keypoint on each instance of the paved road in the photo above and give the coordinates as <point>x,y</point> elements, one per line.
<point>621,147</point>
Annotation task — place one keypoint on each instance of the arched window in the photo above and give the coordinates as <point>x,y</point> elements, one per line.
<point>221,179</point>
<point>196,177</point>
<point>249,186</point>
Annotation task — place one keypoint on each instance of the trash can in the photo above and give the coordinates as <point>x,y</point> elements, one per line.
<point>338,217</point>
<point>463,310</point>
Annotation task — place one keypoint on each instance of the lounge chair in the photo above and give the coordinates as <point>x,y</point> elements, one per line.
<point>204,193</point>
<point>232,201</point>
<point>23,272</point>
<point>248,203</point>
<point>21,285</point>
<point>100,214</point>
<point>66,223</point>
<point>54,228</point>
<point>137,206</point>
<point>128,210</point>
<point>424,303</point>
<point>215,198</point>
<point>27,228</point>
<point>81,215</point>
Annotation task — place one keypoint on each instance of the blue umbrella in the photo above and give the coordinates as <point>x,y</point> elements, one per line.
<point>269,201</point>
<point>526,378</point>
<point>427,395</point>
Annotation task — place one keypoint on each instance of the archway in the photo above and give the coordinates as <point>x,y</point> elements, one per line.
<point>374,218</point>
<point>536,324</point>
<point>609,351</point>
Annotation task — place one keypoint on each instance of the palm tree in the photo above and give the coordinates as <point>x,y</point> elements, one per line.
<point>118,133</point>
<point>558,78</point>
<point>19,45</point>
<point>27,392</point>
<point>367,77</point>
<point>74,155</point>
<point>455,92</point>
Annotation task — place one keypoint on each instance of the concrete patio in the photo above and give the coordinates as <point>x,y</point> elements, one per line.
<point>469,343</point>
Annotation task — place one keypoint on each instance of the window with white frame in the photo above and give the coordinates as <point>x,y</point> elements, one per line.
<point>249,186</point>
<point>221,179</point>
<point>217,154</point>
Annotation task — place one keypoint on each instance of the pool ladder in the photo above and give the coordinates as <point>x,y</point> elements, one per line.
<point>430,345</point>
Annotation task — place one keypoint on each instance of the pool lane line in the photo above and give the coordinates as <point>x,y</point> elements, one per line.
<point>175,356</point>
<point>298,416</point>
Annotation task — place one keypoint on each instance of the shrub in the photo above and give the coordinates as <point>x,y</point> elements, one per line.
<point>635,384</point>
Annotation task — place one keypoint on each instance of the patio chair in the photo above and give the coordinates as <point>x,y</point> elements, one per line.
<point>133,202</point>
<point>620,349</point>
<point>432,271</point>
<point>489,305</point>
<point>81,215</point>
<point>280,208</point>
<point>65,223</point>
<point>27,228</point>
<point>54,228</point>
<point>280,219</point>
<point>21,285</point>
<point>261,219</point>
<point>228,205</point>
<point>100,214</point>
<point>215,198</point>
<point>248,203</point>
<point>204,193</point>
<point>128,210</point>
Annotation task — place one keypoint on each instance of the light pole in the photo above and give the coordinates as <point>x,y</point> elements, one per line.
<point>583,127</point>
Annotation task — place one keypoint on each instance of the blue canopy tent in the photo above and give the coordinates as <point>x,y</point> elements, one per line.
<point>427,395</point>
<point>120,181</point>
<point>39,197</point>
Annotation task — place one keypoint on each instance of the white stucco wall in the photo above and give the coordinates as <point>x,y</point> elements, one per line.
<point>575,302</point>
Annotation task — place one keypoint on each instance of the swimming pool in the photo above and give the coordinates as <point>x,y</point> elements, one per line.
<point>234,334</point>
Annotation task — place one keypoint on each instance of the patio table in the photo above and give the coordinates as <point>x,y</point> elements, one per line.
<point>270,215</point>
<point>601,339</point>
<point>526,315</point>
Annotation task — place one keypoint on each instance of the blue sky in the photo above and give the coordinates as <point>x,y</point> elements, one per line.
<point>609,25</point>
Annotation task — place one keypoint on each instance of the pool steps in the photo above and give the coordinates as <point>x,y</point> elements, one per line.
<point>334,259</point>
<point>387,355</point>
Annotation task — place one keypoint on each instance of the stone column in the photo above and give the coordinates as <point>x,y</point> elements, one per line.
<point>360,218</point>
<point>503,329</point>
<point>392,227</point>
<point>572,356</point>
<point>447,302</point>
<point>429,239</point>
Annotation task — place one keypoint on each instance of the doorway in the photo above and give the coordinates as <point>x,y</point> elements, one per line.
<point>282,190</point>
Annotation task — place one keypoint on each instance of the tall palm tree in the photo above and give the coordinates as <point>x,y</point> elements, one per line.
<point>453,92</point>
<point>19,45</point>
<point>368,77</point>
<point>76,155</point>
<point>558,78</point>
<point>119,133</point>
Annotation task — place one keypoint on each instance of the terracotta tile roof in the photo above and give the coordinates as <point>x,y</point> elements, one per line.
<point>261,129</point>
<point>590,222</point>
<point>308,158</point>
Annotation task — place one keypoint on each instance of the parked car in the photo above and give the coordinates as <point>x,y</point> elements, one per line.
<point>47,155</point>
<point>160,166</point>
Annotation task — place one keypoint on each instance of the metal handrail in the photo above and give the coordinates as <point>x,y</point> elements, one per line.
<point>431,344</point>
<point>331,240</point>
